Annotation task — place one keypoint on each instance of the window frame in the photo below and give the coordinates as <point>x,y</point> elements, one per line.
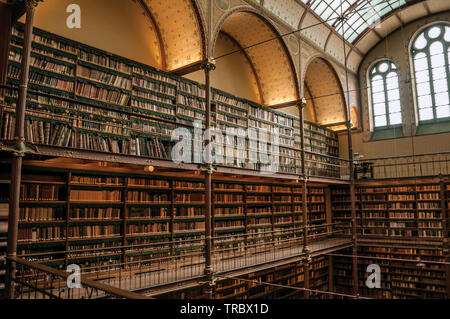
<point>413,51</point>
<point>370,77</point>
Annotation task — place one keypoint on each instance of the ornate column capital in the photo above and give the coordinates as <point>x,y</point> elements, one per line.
<point>209,64</point>
<point>301,104</point>
<point>31,4</point>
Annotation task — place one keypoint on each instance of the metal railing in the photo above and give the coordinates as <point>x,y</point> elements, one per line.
<point>421,165</point>
<point>36,281</point>
<point>176,264</point>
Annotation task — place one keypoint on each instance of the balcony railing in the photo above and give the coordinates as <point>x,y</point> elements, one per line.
<point>421,165</point>
<point>36,281</point>
<point>181,261</point>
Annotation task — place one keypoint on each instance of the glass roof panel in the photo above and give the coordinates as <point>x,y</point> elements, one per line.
<point>361,14</point>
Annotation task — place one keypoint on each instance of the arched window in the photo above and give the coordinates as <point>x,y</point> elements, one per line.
<point>430,52</point>
<point>385,95</point>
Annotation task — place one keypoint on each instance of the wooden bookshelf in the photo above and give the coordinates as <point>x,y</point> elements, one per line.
<point>65,209</point>
<point>400,280</point>
<point>133,109</point>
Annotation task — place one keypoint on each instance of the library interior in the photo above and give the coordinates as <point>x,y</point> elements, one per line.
<point>224,149</point>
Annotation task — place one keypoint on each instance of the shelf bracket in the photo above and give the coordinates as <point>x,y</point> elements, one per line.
<point>18,147</point>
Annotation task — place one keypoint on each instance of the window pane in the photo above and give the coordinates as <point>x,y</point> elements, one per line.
<point>425,101</point>
<point>437,60</point>
<point>441,99</point>
<point>426,114</point>
<point>436,48</point>
<point>439,73</point>
<point>393,95</point>
<point>447,34</point>
<point>423,88</point>
<point>434,32</point>
<point>394,106</point>
<point>392,81</point>
<point>383,67</point>
<point>440,86</point>
<point>421,62</point>
<point>378,98</point>
<point>380,121</point>
<point>395,118</point>
<point>442,111</point>
<point>421,42</point>
<point>379,109</point>
<point>377,84</point>
<point>422,76</point>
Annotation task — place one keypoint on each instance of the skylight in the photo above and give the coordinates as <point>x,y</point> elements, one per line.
<point>360,14</point>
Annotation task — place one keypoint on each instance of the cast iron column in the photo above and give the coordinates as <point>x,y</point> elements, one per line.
<point>16,167</point>
<point>304,176</point>
<point>208,66</point>
<point>353,209</point>
<point>445,239</point>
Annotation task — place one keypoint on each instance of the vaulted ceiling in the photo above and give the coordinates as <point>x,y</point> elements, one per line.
<point>270,60</point>
<point>323,85</point>
<point>179,30</point>
<point>367,22</point>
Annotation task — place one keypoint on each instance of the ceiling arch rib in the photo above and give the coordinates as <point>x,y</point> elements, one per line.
<point>322,83</point>
<point>267,53</point>
<point>180,31</point>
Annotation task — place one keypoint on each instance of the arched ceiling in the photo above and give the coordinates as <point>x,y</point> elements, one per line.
<point>270,60</point>
<point>413,10</point>
<point>323,85</point>
<point>367,23</point>
<point>179,31</point>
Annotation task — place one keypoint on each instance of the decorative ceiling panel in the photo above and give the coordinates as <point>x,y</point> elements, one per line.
<point>335,47</point>
<point>326,92</point>
<point>314,30</point>
<point>287,10</point>
<point>270,59</point>
<point>353,61</point>
<point>438,5</point>
<point>180,31</point>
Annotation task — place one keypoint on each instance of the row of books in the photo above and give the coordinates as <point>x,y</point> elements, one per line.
<point>154,86</point>
<point>109,213</point>
<point>228,198</point>
<point>151,106</point>
<point>97,180</point>
<point>103,94</point>
<point>149,72</point>
<point>147,228</point>
<point>191,185</point>
<point>160,183</point>
<point>95,195</point>
<point>40,192</point>
<point>150,148</point>
<point>91,231</point>
<point>40,234</point>
<point>142,196</point>
<point>36,77</point>
<point>43,63</point>
<point>149,95</point>
<point>36,214</point>
<point>199,226</point>
<point>104,60</point>
<point>148,212</point>
<point>189,197</point>
<point>104,77</point>
<point>189,212</point>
